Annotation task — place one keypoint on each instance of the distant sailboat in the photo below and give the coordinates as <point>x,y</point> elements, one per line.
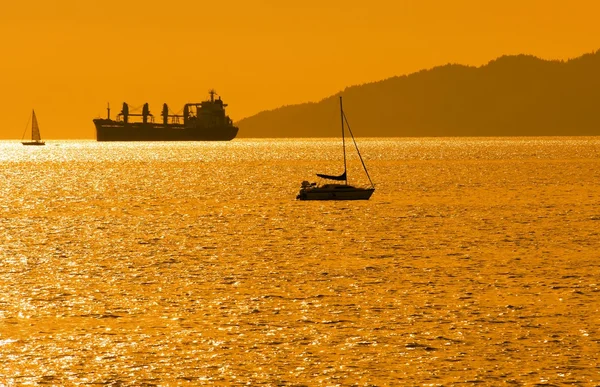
<point>36,139</point>
<point>313,191</point>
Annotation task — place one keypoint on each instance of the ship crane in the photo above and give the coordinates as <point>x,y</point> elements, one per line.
<point>144,114</point>
<point>165,115</point>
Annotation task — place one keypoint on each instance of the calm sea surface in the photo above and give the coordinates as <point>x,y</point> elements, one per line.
<point>475,261</point>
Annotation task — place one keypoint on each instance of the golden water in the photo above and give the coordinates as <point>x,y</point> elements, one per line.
<point>476,260</point>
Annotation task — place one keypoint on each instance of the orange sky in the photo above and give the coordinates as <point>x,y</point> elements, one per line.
<point>68,58</point>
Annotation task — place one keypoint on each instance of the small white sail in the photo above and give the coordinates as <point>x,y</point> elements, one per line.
<point>35,129</point>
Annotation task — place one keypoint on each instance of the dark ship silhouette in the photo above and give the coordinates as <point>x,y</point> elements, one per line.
<point>204,121</point>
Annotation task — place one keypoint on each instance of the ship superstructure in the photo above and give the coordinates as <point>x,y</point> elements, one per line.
<point>202,121</point>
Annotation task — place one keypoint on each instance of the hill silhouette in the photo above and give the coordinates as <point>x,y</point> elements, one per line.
<point>510,96</point>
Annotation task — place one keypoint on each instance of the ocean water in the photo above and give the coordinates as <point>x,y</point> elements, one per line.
<point>475,261</point>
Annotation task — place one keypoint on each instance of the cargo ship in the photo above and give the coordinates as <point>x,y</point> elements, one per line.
<point>203,121</point>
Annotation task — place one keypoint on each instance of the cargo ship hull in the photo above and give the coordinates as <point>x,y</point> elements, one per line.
<point>108,130</point>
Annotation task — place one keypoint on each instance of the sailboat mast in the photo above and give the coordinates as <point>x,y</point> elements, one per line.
<point>343,140</point>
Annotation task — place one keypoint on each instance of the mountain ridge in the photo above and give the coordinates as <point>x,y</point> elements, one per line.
<point>512,95</point>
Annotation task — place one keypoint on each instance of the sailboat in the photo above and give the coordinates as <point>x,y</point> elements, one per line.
<point>338,191</point>
<point>36,139</point>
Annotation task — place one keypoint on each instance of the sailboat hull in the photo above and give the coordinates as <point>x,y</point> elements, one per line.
<point>33,143</point>
<point>335,192</point>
